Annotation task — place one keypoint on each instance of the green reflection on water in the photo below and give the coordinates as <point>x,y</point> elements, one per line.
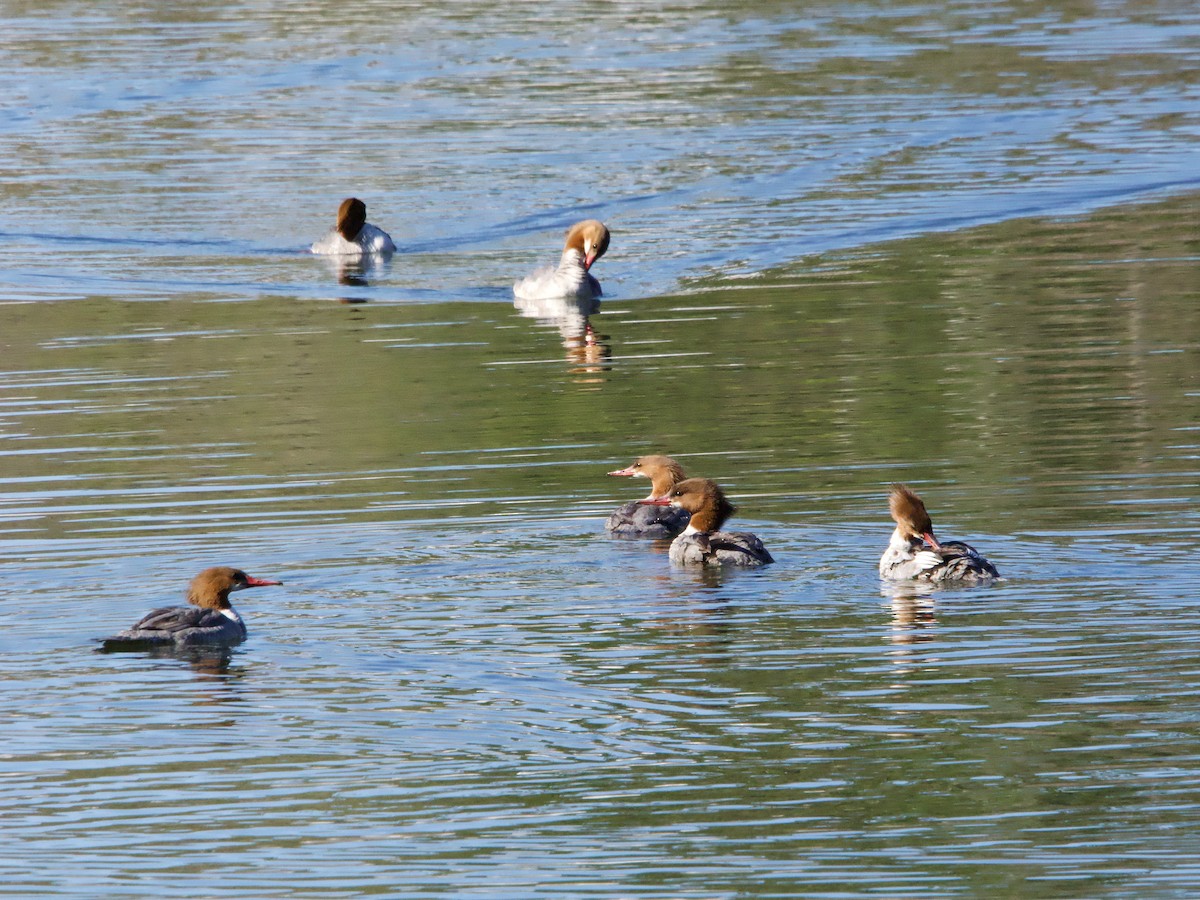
<point>1016,366</point>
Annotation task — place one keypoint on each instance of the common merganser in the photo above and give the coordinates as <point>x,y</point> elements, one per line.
<point>209,620</point>
<point>702,542</point>
<point>638,519</point>
<point>353,235</point>
<point>586,242</point>
<point>914,553</point>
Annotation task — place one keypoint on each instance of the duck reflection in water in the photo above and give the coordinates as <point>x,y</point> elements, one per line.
<point>587,351</point>
<point>913,618</point>
<point>351,271</point>
<point>696,618</point>
<point>207,662</point>
<point>588,354</point>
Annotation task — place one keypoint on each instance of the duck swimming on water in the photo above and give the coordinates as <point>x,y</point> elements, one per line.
<point>915,554</point>
<point>702,542</point>
<point>210,620</point>
<point>586,242</point>
<point>353,235</point>
<point>639,519</point>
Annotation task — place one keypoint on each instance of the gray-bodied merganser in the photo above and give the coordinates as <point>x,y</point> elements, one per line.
<point>210,620</point>
<point>586,242</point>
<point>702,542</point>
<point>639,519</point>
<point>353,235</point>
<point>914,553</point>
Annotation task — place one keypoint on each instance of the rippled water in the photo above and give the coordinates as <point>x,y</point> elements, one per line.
<point>953,245</point>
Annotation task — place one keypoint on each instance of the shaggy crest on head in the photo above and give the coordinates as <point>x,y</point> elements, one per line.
<point>908,511</point>
<point>351,217</point>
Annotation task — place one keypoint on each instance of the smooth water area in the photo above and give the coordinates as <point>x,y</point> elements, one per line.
<point>953,245</point>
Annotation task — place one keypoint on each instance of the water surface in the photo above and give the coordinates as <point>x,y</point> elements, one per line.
<point>953,246</point>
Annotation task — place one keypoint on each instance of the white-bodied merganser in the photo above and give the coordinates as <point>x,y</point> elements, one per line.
<point>639,519</point>
<point>914,553</point>
<point>210,620</point>
<point>353,235</point>
<point>586,242</point>
<point>702,542</point>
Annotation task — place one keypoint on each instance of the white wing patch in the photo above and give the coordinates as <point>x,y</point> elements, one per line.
<point>926,560</point>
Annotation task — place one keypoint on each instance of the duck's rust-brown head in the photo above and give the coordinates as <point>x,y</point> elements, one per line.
<point>664,473</point>
<point>351,217</point>
<point>704,499</point>
<point>212,587</point>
